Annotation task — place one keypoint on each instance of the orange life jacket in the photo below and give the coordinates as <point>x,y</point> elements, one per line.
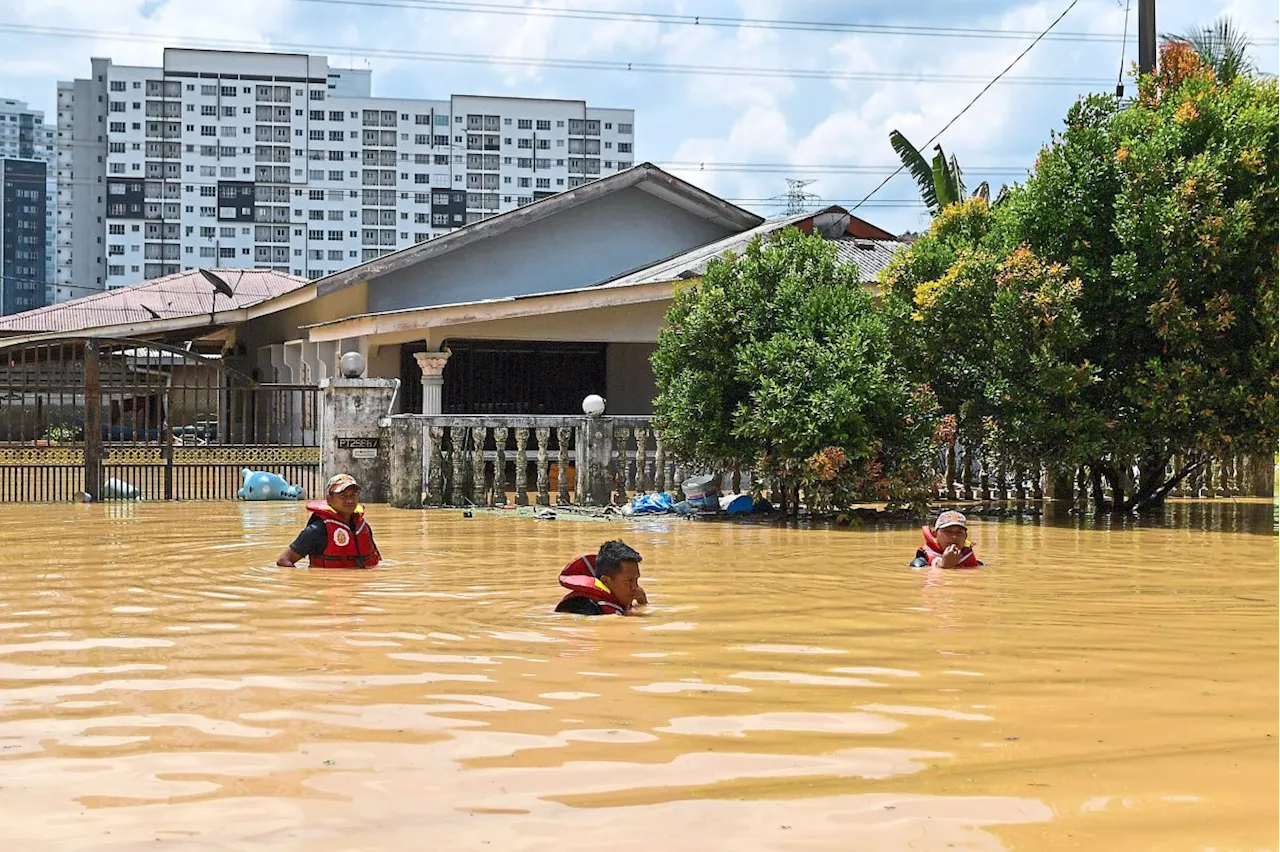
<point>580,579</point>
<point>932,550</point>
<point>348,545</point>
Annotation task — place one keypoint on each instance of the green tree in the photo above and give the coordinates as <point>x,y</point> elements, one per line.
<point>779,360</point>
<point>1222,45</point>
<point>1121,306</point>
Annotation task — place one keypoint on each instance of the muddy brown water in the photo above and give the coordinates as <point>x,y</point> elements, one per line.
<point>163,686</point>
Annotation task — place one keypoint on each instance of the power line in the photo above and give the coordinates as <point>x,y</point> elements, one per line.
<point>817,168</point>
<point>1120,76</point>
<point>572,64</point>
<point>718,21</point>
<point>966,107</point>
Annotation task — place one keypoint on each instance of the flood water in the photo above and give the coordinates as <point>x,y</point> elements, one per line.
<point>163,686</point>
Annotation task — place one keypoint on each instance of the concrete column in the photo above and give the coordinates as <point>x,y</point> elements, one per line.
<point>351,441</point>
<point>432,366</point>
<point>593,463</point>
<point>283,374</point>
<point>327,353</point>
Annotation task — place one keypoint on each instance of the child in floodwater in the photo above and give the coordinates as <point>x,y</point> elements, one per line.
<point>603,583</point>
<point>947,545</point>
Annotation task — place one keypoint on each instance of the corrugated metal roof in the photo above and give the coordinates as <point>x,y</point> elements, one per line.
<point>185,294</point>
<point>870,256</point>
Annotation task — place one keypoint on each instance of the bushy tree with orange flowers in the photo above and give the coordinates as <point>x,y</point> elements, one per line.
<point>1120,309</point>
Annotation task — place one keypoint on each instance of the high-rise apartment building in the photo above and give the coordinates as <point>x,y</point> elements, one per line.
<point>23,202</point>
<point>25,136</point>
<point>230,159</point>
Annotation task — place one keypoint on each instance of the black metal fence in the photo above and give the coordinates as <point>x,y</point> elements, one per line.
<point>127,419</point>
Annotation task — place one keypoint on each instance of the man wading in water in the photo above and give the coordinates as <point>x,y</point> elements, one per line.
<point>603,583</point>
<point>337,535</point>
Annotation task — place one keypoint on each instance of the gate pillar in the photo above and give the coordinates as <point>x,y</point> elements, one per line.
<point>351,439</point>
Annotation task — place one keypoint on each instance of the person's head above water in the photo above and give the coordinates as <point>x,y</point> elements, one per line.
<point>951,527</point>
<point>618,567</point>
<point>342,493</point>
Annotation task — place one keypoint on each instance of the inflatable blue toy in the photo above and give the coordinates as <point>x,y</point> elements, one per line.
<point>260,485</point>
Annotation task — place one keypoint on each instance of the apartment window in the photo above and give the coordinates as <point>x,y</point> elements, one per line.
<point>624,128</point>
<point>315,215</point>
<point>316,194</point>
<point>335,115</point>
<point>524,182</point>
<point>560,123</point>
<point>316,135</point>
<point>524,124</point>
<point>116,127</point>
<point>315,235</point>
<point>608,125</point>
<point>115,229</point>
<point>335,236</point>
<point>115,106</point>
<point>228,91</point>
<point>544,183</point>
<point>316,115</point>
<point>608,144</point>
<point>117,85</point>
<point>208,130</point>
<point>544,124</point>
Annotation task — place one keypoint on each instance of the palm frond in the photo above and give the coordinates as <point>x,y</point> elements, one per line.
<point>957,178</point>
<point>915,163</point>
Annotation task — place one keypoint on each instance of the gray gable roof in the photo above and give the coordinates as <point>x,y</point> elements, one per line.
<point>644,176</point>
<point>869,254</point>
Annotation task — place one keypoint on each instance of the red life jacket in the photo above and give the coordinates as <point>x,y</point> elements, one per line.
<point>343,548</point>
<point>932,550</point>
<point>580,579</point>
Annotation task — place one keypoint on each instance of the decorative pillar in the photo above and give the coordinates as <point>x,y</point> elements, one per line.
<point>432,366</point>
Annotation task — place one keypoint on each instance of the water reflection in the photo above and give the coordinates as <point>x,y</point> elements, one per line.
<point>1106,683</point>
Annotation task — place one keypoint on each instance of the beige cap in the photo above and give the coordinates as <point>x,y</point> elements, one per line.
<point>340,483</point>
<point>950,518</point>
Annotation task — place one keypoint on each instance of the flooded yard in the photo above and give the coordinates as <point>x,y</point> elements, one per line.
<point>164,686</point>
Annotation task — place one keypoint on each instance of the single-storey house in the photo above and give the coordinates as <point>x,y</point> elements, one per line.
<point>526,312</point>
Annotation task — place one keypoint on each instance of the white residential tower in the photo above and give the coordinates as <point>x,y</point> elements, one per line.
<point>274,160</point>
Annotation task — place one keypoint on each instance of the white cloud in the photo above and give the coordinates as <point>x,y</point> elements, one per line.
<point>699,117</point>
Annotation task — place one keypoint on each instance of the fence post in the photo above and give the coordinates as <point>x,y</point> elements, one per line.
<point>92,420</point>
<point>593,464</point>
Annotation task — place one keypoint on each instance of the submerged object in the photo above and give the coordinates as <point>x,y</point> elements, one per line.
<point>118,489</point>
<point>260,485</point>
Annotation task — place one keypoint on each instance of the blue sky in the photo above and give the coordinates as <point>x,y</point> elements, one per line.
<point>798,128</point>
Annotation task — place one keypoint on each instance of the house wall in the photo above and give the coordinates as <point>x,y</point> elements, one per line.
<point>615,324</point>
<point>574,248</point>
<point>284,325</point>
<point>629,383</point>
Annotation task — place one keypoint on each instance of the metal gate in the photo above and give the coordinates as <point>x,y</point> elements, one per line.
<point>129,419</point>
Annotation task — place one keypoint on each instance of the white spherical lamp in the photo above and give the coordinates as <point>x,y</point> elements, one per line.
<point>351,364</point>
<point>593,405</point>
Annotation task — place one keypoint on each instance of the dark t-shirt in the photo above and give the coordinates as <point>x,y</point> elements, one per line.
<point>579,605</point>
<point>312,540</point>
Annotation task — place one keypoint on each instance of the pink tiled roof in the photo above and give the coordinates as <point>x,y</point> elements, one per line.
<point>185,294</point>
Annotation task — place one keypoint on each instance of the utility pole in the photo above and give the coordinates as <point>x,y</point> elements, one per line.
<point>1146,36</point>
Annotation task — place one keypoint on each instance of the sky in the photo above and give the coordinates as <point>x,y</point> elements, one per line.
<point>737,135</point>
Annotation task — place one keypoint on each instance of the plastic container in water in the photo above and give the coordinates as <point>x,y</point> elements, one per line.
<point>702,491</point>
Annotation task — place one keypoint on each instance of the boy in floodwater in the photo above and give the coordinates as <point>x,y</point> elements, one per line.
<point>603,583</point>
<point>947,545</point>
